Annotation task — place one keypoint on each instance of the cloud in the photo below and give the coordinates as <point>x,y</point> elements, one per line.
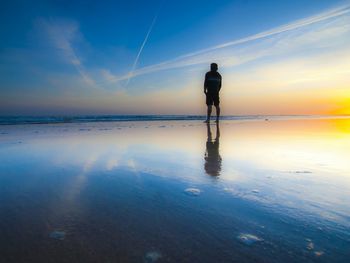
<point>234,53</point>
<point>62,34</point>
<point>328,72</point>
<point>108,75</point>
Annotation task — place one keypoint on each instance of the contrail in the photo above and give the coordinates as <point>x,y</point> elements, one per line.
<point>281,29</point>
<point>197,57</point>
<point>141,48</point>
<point>185,60</point>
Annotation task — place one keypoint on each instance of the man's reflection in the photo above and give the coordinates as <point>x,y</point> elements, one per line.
<point>212,157</point>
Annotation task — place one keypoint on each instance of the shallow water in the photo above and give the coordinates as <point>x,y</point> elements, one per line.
<point>178,191</point>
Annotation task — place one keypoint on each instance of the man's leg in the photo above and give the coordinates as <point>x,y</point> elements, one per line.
<point>208,113</point>
<point>217,112</point>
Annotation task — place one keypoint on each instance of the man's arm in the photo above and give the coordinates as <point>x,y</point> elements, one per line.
<point>205,84</point>
<point>220,83</point>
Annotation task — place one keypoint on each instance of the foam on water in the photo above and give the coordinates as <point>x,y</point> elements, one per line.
<point>152,256</point>
<point>249,239</point>
<point>59,235</point>
<point>193,191</point>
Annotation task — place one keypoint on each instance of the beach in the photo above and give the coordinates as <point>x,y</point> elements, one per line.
<point>245,190</point>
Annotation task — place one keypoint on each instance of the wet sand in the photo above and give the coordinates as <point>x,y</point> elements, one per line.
<point>176,191</point>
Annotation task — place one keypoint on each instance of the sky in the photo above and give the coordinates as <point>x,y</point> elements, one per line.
<point>150,57</point>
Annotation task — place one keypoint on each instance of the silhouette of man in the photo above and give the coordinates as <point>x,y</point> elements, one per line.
<point>212,86</point>
<point>212,164</point>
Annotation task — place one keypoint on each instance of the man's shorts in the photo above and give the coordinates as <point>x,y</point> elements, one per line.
<point>213,99</point>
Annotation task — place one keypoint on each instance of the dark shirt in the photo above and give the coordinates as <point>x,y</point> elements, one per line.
<point>212,82</point>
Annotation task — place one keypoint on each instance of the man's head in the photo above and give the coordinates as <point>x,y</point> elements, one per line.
<point>214,67</point>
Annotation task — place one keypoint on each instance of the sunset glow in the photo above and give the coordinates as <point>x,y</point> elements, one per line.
<point>286,58</point>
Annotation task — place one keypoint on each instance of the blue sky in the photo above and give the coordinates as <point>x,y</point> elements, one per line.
<point>111,57</point>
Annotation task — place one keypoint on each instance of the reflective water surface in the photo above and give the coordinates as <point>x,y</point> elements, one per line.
<point>176,191</point>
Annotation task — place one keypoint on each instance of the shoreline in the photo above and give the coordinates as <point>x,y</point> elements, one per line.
<point>59,119</point>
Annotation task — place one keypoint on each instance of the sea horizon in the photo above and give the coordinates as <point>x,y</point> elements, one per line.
<point>84,118</point>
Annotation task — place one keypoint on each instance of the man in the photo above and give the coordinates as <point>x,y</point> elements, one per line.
<point>212,86</point>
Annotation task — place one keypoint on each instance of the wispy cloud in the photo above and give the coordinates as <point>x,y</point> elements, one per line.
<point>218,52</point>
<point>62,34</point>
<point>314,31</point>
